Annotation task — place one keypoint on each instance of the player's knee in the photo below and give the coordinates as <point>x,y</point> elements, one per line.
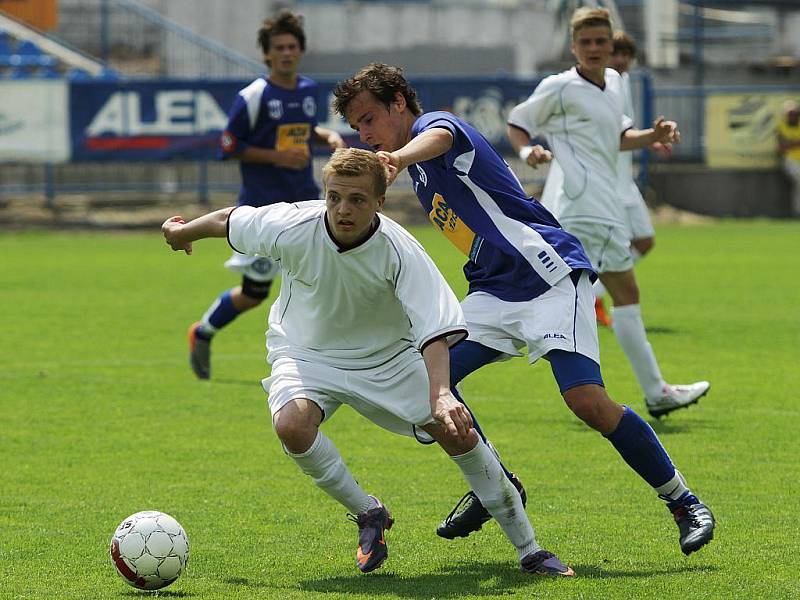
<point>591,404</point>
<point>255,292</point>
<point>295,429</point>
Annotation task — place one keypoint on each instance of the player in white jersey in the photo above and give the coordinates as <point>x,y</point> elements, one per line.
<point>580,111</point>
<point>364,318</point>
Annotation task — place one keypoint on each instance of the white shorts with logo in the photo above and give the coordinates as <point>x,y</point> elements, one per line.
<point>560,319</point>
<point>395,395</point>
<point>639,221</point>
<point>257,268</point>
<point>607,246</point>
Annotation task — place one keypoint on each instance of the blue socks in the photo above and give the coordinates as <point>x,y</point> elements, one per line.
<point>639,446</point>
<point>219,314</point>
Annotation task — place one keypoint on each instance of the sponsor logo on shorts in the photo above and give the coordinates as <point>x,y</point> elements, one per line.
<point>555,336</point>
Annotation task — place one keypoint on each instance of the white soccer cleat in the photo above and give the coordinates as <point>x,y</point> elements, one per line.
<point>675,397</point>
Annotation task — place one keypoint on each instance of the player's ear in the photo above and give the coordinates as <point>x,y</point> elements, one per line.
<point>399,101</point>
<point>381,200</point>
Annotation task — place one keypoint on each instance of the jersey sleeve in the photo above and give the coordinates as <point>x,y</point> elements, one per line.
<point>533,115</point>
<point>237,130</point>
<point>428,301</point>
<point>254,231</point>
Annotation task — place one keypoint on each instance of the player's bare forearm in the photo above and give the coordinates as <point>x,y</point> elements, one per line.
<point>445,408</point>
<point>520,141</point>
<point>330,137</point>
<point>427,145</point>
<point>179,235</point>
<point>662,131</point>
<point>519,138</point>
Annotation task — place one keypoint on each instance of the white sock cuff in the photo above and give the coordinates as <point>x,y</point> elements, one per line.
<point>321,438</point>
<point>628,311</point>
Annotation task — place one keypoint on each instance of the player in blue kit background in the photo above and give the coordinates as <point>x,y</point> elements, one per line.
<point>529,280</point>
<point>270,126</point>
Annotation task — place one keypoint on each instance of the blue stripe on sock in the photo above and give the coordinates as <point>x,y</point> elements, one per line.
<point>225,312</point>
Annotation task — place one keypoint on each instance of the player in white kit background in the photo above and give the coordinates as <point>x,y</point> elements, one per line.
<point>581,114</point>
<point>364,318</point>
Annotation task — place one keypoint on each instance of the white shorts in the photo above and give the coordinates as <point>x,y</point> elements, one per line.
<point>639,222</point>
<point>395,395</point>
<point>607,246</point>
<point>257,268</point>
<point>560,319</point>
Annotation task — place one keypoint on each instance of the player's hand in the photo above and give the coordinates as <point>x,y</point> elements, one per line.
<point>172,229</point>
<point>392,164</point>
<point>663,150</point>
<point>293,158</point>
<point>666,132</point>
<point>336,141</point>
<point>538,155</point>
<point>452,415</point>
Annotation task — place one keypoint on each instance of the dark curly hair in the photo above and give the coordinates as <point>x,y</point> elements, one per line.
<point>382,81</point>
<point>284,22</point>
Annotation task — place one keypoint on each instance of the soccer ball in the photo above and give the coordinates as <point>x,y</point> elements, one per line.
<point>149,550</point>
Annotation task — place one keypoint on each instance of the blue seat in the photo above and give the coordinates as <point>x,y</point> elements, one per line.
<point>109,74</point>
<point>21,72</point>
<point>31,55</point>
<point>6,49</point>
<point>49,72</point>
<point>77,74</point>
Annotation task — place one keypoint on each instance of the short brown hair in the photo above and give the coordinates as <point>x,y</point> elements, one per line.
<point>382,81</point>
<point>284,22</point>
<point>354,162</point>
<point>624,44</point>
<point>589,17</point>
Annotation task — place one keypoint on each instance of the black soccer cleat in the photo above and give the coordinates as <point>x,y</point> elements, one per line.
<point>544,563</point>
<point>696,525</point>
<point>372,549</point>
<point>469,514</point>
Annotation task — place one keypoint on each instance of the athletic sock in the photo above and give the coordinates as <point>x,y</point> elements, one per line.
<point>639,446</point>
<point>498,495</point>
<point>219,314</point>
<point>477,428</point>
<point>323,463</point>
<point>629,330</point>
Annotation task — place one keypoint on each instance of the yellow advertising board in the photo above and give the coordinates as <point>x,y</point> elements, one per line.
<point>741,130</point>
<point>42,14</point>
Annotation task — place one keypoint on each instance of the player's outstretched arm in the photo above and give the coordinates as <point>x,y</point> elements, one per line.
<point>446,410</point>
<point>330,137</point>
<point>179,234</point>
<point>428,144</point>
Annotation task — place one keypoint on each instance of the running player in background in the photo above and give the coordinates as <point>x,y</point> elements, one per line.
<point>580,111</point>
<point>363,318</point>
<point>789,147</point>
<point>270,126</point>
<point>529,280</point>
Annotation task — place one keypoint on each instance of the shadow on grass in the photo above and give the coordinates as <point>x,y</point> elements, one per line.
<point>662,330</point>
<point>229,381</point>
<point>455,581</point>
<point>158,594</point>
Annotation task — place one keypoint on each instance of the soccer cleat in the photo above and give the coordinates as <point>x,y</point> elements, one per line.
<point>600,313</point>
<point>544,563</point>
<point>199,353</point>
<point>469,514</point>
<point>372,550</point>
<point>696,525</point>
<point>675,397</point>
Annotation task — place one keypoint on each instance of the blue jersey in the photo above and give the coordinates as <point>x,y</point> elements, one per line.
<point>516,248</point>
<point>268,116</point>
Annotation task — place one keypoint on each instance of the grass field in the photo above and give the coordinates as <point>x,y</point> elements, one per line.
<point>101,417</point>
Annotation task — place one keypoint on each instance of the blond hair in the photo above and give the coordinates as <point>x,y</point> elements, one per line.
<point>589,17</point>
<point>354,162</point>
<point>624,44</point>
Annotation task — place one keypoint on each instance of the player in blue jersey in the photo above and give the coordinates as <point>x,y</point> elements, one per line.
<point>270,126</point>
<point>529,280</point>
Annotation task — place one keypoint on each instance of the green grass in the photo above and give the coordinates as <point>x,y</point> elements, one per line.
<point>100,417</point>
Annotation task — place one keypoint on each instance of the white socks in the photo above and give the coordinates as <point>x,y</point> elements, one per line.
<point>323,463</point>
<point>629,329</point>
<point>674,488</point>
<point>498,495</point>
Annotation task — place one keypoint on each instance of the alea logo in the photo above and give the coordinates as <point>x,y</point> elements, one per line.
<point>176,112</point>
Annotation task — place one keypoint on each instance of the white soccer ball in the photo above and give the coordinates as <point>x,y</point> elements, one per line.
<point>149,550</point>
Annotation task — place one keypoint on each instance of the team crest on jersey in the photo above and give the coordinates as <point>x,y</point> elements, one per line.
<point>227,141</point>
<point>423,176</point>
<point>275,109</point>
<point>309,106</point>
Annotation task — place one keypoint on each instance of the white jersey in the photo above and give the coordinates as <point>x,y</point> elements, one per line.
<point>351,309</point>
<point>627,191</point>
<point>583,124</point>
